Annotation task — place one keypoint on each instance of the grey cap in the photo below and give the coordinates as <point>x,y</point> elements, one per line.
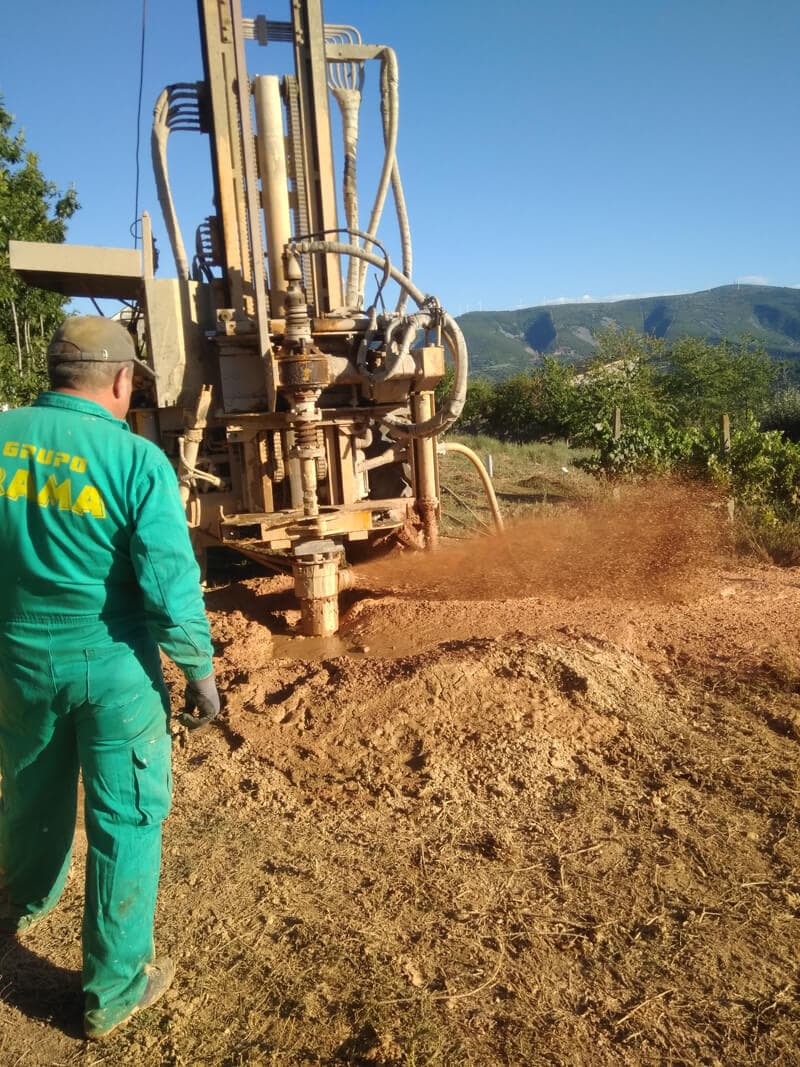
<point>93,339</point>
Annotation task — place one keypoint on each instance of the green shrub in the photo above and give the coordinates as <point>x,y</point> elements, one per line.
<point>647,450</point>
<point>783,413</point>
<point>761,471</point>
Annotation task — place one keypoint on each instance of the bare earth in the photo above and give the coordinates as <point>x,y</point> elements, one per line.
<point>535,804</point>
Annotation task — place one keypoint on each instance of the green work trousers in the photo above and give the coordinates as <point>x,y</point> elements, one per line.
<point>89,696</point>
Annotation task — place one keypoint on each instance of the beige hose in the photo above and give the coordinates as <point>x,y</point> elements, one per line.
<point>158,145</point>
<point>475,459</point>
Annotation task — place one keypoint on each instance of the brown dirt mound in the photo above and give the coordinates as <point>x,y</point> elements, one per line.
<point>547,817</point>
<point>339,721</point>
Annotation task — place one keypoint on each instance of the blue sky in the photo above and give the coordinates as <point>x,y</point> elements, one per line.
<point>549,149</point>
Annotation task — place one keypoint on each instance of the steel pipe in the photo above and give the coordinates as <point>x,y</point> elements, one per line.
<point>270,143</point>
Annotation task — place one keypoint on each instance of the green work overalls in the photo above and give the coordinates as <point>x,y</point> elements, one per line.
<point>98,571</point>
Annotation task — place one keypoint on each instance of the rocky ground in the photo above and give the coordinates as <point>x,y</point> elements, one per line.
<point>536,804</point>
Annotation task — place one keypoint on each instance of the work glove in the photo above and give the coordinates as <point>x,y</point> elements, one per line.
<point>201,703</point>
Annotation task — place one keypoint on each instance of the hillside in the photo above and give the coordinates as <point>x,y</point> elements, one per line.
<point>502,343</point>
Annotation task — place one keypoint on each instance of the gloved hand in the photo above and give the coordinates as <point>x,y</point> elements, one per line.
<point>201,697</point>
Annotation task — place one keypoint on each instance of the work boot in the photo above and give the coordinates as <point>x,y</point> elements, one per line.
<point>160,974</point>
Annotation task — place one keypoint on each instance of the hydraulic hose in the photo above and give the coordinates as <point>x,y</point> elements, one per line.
<point>405,234</point>
<point>345,82</point>
<point>390,111</point>
<point>349,101</point>
<point>158,144</point>
<point>410,324</point>
<point>475,460</point>
<point>452,407</point>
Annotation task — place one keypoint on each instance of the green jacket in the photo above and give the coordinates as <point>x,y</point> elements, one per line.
<point>92,526</point>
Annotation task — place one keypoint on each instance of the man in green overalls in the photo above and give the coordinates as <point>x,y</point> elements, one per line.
<point>98,572</point>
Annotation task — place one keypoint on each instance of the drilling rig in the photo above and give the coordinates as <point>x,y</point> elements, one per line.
<point>297,407</point>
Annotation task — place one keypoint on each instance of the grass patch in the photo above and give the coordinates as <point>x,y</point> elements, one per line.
<point>773,541</point>
<point>533,476</point>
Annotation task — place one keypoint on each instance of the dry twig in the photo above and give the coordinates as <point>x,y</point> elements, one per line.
<point>643,1004</point>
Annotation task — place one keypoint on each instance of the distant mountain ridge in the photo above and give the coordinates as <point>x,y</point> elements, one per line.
<point>502,343</point>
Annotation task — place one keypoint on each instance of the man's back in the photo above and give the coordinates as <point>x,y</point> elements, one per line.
<point>99,572</point>
<point>76,488</point>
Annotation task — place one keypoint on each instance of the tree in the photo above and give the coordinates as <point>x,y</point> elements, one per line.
<point>623,374</point>
<point>31,209</point>
<point>555,398</point>
<point>475,418</point>
<point>705,380</point>
<point>513,409</point>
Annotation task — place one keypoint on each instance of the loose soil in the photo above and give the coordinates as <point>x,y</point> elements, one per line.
<point>535,804</point>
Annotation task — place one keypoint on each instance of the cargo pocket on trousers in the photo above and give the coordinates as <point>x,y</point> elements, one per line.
<point>152,774</point>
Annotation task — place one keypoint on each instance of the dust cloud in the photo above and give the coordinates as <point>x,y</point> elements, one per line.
<point>651,543</point>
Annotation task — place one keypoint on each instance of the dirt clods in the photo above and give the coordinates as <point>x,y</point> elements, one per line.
<point>535,804</point>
